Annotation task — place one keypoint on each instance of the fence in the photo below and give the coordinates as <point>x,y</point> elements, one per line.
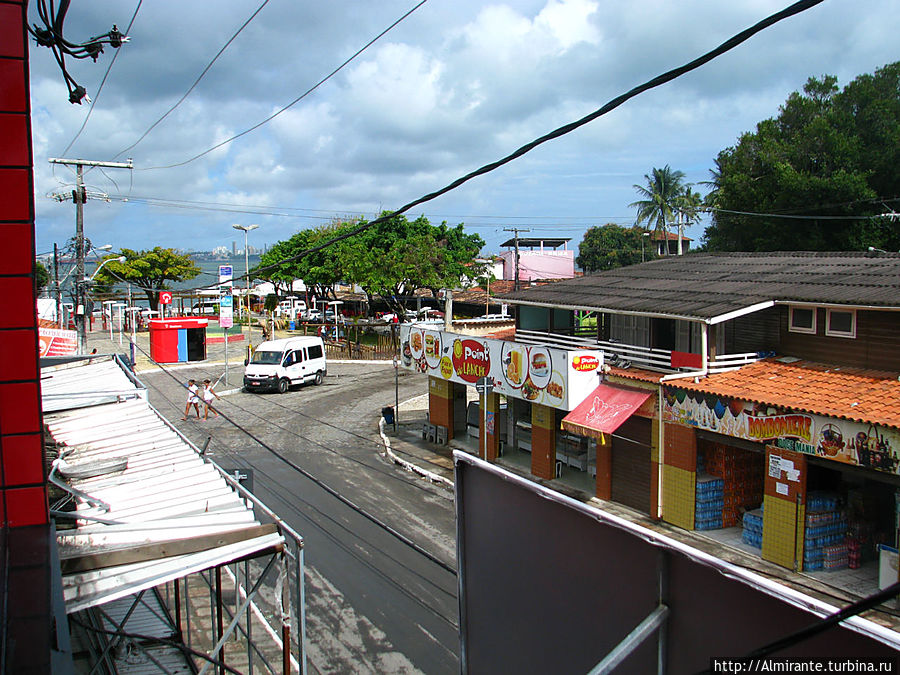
<point>377,347</point>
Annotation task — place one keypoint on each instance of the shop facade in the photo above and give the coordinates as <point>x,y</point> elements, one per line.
<point>809,492</point>
<point>548,409</point>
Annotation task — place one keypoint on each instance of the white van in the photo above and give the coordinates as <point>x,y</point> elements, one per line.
<point>277,364</point>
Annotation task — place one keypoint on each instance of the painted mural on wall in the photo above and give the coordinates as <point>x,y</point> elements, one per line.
<point>557,378</point>
<point>865,445</point>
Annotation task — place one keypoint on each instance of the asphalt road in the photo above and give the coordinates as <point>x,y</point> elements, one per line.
<point>374,603</point>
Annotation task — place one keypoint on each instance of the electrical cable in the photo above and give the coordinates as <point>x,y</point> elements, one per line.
<point>299,98</point>
<point>868,602</point>
<point>100,88</point>
<point>340,544</point>
<point>348,550</point>
<point>728,45</point>
<point>327,488</point>
<point>197,81</point>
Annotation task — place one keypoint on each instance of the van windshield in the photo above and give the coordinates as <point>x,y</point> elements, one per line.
<point>267,358</point>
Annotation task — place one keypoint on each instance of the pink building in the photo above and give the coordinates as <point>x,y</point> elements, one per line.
<point>538,259</point>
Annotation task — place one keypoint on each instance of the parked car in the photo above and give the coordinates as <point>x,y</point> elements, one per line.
<point>311,315</point>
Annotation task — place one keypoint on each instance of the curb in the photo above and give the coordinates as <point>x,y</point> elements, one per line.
<point>409,466</point>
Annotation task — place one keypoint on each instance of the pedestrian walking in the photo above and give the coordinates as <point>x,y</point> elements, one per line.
<point>208,396</point>
<point>193,399</point>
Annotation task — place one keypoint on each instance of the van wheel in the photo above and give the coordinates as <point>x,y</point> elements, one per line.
<point>319,378</point>
<point>283,385</point>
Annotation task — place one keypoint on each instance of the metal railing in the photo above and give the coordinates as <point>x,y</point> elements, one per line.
<point>621,353</point>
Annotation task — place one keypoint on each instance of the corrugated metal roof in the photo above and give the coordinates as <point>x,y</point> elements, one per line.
<point>168,514</point>
<point>89,382</point>
<point>707,285</point>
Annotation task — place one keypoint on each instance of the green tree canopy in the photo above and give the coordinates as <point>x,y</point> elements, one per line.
<point>149,270</point>
<point>396,257</point>
<point>610,246</point>
<point>827,153</point>
<point>391,259</point>
<point>41,276</point>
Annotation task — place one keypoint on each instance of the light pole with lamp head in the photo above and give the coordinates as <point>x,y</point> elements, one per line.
<point>643,234</point>
<point>246,229</point>
<point>84,283</point>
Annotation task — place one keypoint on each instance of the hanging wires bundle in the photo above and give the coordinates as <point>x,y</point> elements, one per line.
<point>51,35</point>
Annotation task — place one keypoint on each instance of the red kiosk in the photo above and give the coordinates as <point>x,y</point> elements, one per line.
<point>177,340</point>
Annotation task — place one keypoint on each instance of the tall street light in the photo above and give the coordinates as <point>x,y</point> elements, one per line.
<point>246,229</point>
<point>644,234</point>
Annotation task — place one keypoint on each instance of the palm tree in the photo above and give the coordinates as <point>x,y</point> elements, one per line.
<point>687,205</point>
<point>661,194</point>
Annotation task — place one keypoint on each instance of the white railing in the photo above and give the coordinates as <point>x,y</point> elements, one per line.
<point>620,353</point>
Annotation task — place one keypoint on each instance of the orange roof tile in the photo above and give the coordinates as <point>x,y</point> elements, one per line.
<point>867,396</point>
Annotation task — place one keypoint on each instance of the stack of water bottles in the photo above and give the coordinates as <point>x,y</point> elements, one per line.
<point>753,528</point>
<point>824,543</point>
<point>708,503</point>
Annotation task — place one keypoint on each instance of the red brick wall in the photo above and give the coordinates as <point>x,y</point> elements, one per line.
<point>22,481</point>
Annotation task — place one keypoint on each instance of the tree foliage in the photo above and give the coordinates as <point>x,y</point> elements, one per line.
<point>149,270</point>
<point>391,259</point>
<point>610,246</point>
<point>41,275</point>
<point>827,153</point>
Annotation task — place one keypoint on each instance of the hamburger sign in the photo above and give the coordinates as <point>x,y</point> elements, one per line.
<point>557,378</point>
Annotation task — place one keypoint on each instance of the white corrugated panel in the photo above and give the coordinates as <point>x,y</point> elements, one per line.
<point>166,497</point>
<point>85,383</point>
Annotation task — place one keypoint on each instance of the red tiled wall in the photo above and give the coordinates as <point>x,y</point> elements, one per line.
<point>23,494</point>
<point>604,470</point>
<point>680,447</point>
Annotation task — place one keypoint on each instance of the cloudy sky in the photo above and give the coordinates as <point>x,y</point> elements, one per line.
<point>453,86</point>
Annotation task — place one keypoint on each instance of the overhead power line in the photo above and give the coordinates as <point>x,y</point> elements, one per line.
<point>102,82</point>
<point>197,81</point>
<point>296,100</point>
<point>659,80</point>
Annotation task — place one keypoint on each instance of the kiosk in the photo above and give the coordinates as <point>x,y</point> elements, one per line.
<point>178,340</point>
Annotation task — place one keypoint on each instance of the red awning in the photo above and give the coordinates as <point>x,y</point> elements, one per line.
<point>604,410</point>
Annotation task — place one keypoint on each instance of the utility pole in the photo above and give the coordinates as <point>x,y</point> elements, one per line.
<point>79,196</point>
<point>59,319</point>
<point>516,230</point>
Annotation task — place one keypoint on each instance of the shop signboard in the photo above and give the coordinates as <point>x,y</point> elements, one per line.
<point>866,445</point>
<point>57,342</point>
<point>557,378</point>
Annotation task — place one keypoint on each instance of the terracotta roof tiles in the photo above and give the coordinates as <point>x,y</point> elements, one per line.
<point>867,396</point>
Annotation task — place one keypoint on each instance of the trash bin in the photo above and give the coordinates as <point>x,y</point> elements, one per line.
<point>388,414</point>
<point>292,325</point>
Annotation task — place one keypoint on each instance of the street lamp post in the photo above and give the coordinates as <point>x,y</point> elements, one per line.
<point>644,234</point>
<point>246,229</point>
<point>396,392</point>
